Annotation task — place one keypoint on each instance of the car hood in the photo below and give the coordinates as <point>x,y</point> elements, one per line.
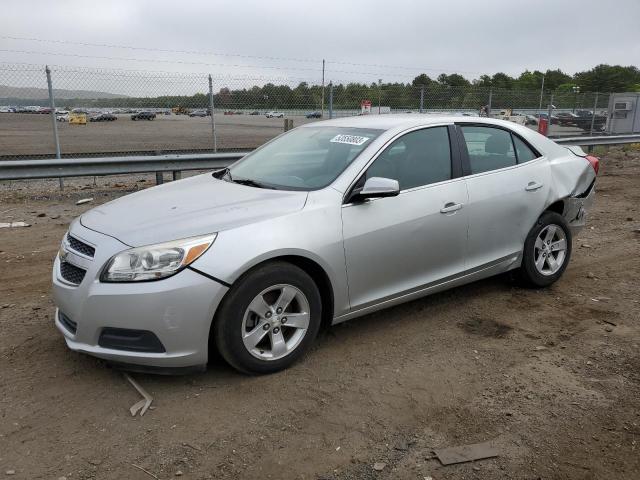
<point>186,208</point>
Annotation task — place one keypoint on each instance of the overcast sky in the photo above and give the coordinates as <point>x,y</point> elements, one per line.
<point>392,40</point>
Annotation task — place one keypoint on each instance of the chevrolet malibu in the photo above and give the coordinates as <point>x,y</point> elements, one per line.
<point>330,221</point>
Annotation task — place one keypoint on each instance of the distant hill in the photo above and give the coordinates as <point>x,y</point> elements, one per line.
<point>27,93</point>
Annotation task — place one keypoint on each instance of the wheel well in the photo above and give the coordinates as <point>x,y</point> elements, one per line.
<point>320,277</point>
<point>557,207</point>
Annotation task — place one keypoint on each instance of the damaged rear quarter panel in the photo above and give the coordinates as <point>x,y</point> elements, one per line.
<point>574,183</point>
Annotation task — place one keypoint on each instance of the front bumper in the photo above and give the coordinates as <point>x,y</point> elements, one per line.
<point>178,310</point>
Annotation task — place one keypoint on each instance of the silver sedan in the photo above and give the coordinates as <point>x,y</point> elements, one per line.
<point>330,221</point>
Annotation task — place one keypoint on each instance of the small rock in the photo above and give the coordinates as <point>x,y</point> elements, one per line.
<point>585,245</point>
<point>601,299</point>
<point>95,461</point>
<point>589,362</point>
<point>529,396</point>
<point>55,217</point>
<point>82,201</point>
<point>42,215</point>
<point>540,348</point>
<point>379,466</point>
<point>402,446</point>
<point>10,472</point>
<point>591,275</point>
<point>476,469</point>
<point>178,473</point>
<point>608,329</point>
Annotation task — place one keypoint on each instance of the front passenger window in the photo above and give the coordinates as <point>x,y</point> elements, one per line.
<point>421,157</point>
<point>489,148</point>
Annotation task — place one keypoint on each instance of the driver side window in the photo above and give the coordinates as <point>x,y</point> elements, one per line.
<point>421,157</point>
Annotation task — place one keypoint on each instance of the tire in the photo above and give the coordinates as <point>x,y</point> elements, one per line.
<point>238,323</point>
<point>536,270</point>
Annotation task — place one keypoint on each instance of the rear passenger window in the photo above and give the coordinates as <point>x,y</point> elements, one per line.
<point>525,154</point>
<point>489,148</point>
<point>418,158</point>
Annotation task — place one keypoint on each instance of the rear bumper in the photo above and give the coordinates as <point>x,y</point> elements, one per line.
<point>178,310</point>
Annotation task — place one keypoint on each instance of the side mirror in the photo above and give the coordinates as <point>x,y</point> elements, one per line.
<point>376,187</point>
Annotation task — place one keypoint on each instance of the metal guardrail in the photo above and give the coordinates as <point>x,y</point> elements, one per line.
<point>81,167</point>
<point>601,140</point>
<point>85,167</point>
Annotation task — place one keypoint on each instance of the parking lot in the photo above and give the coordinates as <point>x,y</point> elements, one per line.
<point>551,376</point>
<point>31,134</point>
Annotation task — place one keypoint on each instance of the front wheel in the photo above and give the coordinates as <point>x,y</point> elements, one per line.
<point>268,319</point>
<point>547,251</point>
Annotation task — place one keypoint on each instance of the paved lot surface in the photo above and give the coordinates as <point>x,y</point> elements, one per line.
<point>31,134</point>
<point>552,377</point>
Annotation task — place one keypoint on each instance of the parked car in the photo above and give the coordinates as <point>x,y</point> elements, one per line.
<point>199,113</point>
<point>545,116</point>
<point>253,258</point>
<point>62,117</point>
<point>103,117</point>
<point>143,116</point>
<point>585,118</point>
<point>315,114</point>
<point>274,115</point>
<point>255,112</point>
<point>566,119</point>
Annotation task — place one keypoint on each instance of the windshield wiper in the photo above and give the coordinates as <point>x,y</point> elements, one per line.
<point>252,183</point>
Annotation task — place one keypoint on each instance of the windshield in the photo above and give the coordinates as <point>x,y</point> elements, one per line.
<point>306,158</point>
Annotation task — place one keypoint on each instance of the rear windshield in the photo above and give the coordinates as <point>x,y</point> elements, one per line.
<point>306,158</point>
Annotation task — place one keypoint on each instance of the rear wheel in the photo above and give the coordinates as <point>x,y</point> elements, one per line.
<point>268,319</point>
<point>547,251</point>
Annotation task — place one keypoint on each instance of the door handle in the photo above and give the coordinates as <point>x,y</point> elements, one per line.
<point>533,186</point>
<point>450,207</point>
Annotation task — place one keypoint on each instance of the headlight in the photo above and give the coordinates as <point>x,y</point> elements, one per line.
<point>154,262</point>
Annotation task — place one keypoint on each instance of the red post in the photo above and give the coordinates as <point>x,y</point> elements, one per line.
<point>543,126</point>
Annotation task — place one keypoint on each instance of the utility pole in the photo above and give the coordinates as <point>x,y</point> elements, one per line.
<point>541,94</point>
<point>322,108</point>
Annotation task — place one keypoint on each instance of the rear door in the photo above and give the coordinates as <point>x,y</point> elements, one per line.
<point>508,183</point>
<point>398,244</point>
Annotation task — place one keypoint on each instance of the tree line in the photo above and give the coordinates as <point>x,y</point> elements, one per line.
<point>447,91</point>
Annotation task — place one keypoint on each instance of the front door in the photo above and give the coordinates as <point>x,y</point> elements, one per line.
<point>395,245</point>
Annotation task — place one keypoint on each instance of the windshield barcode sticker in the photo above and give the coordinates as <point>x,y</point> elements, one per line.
<point>349,139</point>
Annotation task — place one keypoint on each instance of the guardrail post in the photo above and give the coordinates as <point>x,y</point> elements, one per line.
<point>177,175</point>
<point>422,99</point>
<point>159,178</point>
<point>52,105</point>
<point>213,116</point>
<point>330,100</point>
<point>288,124</point>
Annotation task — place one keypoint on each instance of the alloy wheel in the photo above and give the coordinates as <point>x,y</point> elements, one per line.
<point>275,322</point>
<point>550,250</point>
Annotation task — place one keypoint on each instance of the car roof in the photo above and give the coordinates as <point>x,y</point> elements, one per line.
<point>395,121</point>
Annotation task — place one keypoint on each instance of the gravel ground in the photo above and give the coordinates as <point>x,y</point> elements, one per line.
<point>551,377</point>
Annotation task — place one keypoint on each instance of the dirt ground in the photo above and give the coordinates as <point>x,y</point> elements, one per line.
<point>551,377</point>
<point>25,135</point>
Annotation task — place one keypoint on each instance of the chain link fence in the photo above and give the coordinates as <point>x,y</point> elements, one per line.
<point>123,112</point>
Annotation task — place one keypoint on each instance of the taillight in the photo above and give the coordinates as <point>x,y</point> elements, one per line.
<point>595,162</point>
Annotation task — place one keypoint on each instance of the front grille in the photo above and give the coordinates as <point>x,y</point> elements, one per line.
<point>68,323</point>
<point>71,273</point>
<point>80,246</point>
